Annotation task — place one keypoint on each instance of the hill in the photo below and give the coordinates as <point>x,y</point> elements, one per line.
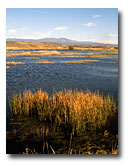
<point>63,41</point>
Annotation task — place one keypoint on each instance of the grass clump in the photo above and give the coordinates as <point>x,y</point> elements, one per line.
<point>84,61</point>
<point>15,63</point>
<point>73,111</point>
<point>97,56</point>
<point>34,58</point>
<point>7,67</point>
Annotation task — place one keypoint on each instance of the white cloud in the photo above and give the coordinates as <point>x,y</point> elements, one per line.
<point>96,16</point>
<point>113,35</point>
<point>44,34</point>
<point>50,32</point>
<point>61,28</point>
<point>89,24</point>
<point>23,29</point>
<point>11,31</point>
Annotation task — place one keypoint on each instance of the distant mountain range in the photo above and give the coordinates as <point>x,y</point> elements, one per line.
<point>63,41</point>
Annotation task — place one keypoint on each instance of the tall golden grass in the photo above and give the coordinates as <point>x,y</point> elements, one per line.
<point>15,63</point>
<point>73,110</point>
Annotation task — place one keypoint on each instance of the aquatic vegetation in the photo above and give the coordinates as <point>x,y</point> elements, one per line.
<point>15,63</point>
<point>34,58</point>
<point>7,67</point>
<point>48,149</point>
<point>97,56</point>
<point>31,53</point>
<point>84,61</point>
<point>110,53</point>
<point>73,111</point>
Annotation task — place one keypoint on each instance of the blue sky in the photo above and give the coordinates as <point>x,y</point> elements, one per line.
<point>83,24</point>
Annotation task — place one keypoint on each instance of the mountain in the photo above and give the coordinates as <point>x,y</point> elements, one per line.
<point>63,41</point>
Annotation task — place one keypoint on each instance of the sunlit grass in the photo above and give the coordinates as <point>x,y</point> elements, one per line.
<point>34,58</point>
<point>84,61</point>
<point>110,53</point>
<point>7,67</point>
<point>97,56</point>
<point>15,63</point>
<point>70,110</point>
<point>31,53</point>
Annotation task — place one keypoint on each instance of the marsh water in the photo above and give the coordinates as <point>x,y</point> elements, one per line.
<point>99,76</point>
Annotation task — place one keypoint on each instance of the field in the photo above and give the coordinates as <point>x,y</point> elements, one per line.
<point>53,46</point>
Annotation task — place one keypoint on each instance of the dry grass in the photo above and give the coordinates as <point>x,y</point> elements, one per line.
<point>12,45</point>
<point>84,61</point>
<point>110,53</point>
<point>95,49</point>
<point>7,67</point>
<point>97,56</point>
<point>70,110</point>
<point>34,58</point>
<point>15,63</point>
<point>22,53</point>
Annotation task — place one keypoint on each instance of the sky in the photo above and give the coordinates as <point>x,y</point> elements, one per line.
<point>82,24</point>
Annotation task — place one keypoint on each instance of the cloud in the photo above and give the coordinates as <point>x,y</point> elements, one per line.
<point>11,31</point>
<point>62,28</point>
<point>113,35</point>
<point>96,16</point>
<point>50,32</point>
<point>44,34</point>
<point>89,24</point>
<point>23,29</point>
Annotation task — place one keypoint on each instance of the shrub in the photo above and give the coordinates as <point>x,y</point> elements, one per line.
<point>70,47</point>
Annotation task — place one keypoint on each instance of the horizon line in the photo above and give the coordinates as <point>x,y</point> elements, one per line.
<point>75,40</point>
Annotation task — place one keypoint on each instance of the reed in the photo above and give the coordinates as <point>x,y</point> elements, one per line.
<point>71,110</point>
